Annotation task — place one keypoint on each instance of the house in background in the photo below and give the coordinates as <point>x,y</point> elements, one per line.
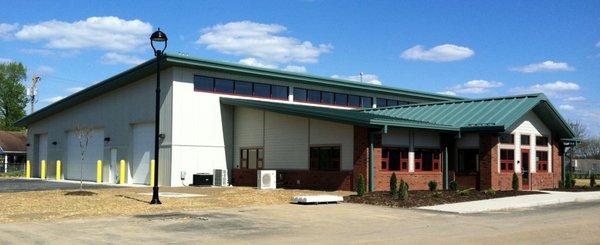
<point>317,132</point>
<point>13,151</point>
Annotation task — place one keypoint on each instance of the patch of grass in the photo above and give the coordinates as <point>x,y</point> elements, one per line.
<point>12,174</point>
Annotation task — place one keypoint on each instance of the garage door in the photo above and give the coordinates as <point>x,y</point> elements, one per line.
<point>93,153</point>
<point>143,152</point>
<point>42,153</point>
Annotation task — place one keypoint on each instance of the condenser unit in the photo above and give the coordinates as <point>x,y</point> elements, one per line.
<point>266,179</point>
<point>220,177</point>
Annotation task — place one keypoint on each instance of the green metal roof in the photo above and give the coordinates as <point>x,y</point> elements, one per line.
<point>149,67</point>
<point>350,116</point>
<point>495,114</point>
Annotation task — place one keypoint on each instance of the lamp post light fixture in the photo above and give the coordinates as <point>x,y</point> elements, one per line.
<point>157,37</point>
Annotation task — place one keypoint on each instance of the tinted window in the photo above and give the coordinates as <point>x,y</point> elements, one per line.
<point>381,102</point>
<point>366,102</point>
<point>327,97</point>
<point>541,141</point>
<point>506,138</point>
<point>524,139</point>
<point>403,103</point>
<point>203,83</point>
<point>354,101</point>
<point>223,86</point>
<point>262,90</point>
<point>314,96</point>
<point>279,92</point>
<point>243,88</point>
<point>341,99</point>
<point>392,103</point>
<point>299,94</point>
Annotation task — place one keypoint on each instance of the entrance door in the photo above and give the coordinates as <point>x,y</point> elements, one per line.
<point>525,168</point>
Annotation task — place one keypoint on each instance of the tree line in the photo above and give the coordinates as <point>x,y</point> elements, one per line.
<point>589,147</point>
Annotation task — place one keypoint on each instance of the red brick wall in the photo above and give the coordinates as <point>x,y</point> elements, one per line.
<point>415,180</point>
<point>545,180</point>
<point>488,156</point>
<point>361,155</point>
<point>299,179</point>
<point>464,180</point>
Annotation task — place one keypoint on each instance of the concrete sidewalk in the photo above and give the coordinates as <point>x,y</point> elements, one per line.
<point>516,202</point>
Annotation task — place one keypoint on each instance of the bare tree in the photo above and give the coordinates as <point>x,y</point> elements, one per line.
<point>589,147</point>
<point>83,134</point>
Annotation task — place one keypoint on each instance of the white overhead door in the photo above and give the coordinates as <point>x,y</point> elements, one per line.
<point>143,152</point>
<point>42,148</point>
<point>93,153</point>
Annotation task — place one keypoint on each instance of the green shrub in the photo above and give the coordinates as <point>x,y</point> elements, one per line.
<point>593,180</point>
<point>515,182</point>
<point>360,189</point>
<point>569,180</point>
<point>490,192</point>
<point>466,192</point>
<point>454,185</point>
<point>403,190</point>
<point>436,194</point>
<point>432,185</point>
<point>394,185</point>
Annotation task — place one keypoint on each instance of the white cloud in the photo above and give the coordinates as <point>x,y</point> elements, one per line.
<point>575,99</point>
<point>74,89</point>
<point>474,87</point>
<point>549,88</point>
<point>44,70</point>
<point>261,42</point>
<point>257,63</point>
<point>366,78</point>
<point>294,68</point>
<point>106,33</point>
<point>545,66</point>
<point>112,58</point>
<point>566,107</point>
<point>5,60</point>
<point>441,53</point>
<point>448,92</point>
<point>6,30</point>
<point>53,99</point>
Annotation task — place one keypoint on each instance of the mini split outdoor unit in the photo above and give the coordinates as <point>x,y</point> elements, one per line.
<point>220,177</point>
<point>266,179</point>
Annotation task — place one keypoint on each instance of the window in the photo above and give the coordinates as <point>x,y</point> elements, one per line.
<point>327,97</point>
<point>366,102</point>
<point>314,96</point>
<point>507,160</point>
<point>524,139</point>
<point>243,88</point>
<point>467,161</point>
<point>403,103</point>
<point>541,141</point>
<point>341,99</point>
<point>202,83</point>
<point>506,138</point>
<point>427,160</point>
<point>381,102</point>
<point>299,94</point>
<point>279,92</point>
<point>224,86</point>
<point>542,160</point>
<point>252,158</point>
<point>394,159</point>
<point>353,101</point>
<point>392,102</point>
<point>262,90</point>
<point>325,158</point>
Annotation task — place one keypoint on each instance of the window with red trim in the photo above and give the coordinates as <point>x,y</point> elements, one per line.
<point>507,160</point>
<point>542,160</point>
<point>252,158</point>
<point>427,160</point>
<point>394,159</point>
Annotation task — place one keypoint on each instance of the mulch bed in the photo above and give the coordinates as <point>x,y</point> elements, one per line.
<point>426,198</point>
<point>576,189</point>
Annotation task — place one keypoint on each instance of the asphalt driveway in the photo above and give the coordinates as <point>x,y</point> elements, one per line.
<point>18,185</point>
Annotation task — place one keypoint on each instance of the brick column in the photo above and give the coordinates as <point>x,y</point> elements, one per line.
<point>361,156</point>
<point>488,160</point>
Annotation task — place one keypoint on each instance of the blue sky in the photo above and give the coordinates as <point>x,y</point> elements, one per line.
<point>471,49</point>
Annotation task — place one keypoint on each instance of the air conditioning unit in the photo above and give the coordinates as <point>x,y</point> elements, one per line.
<point>220,177</point>
<point>266,179</point>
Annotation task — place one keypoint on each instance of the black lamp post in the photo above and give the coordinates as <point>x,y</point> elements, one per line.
<point>158,37</point>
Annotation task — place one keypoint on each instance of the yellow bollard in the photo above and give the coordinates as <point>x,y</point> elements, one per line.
<point>122,173</point>
<point>43,175</point>
<point>28,170</point>
<point>99,171</point>
<point>152,173</point>
<point>57,169</point>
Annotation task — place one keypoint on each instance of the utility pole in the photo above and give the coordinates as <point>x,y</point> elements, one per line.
<point>361,76</point>
<point>33,90</point>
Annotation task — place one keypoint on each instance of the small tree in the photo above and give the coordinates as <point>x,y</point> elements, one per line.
<point>454,185</point>
<point>393,185</point>
<point>432,185</point>
<point>515,182</point>
<point>569,180</point>
<point>593,180</point>
<point>403,190</point>
<point>360,189</point>
<point>83,135</point>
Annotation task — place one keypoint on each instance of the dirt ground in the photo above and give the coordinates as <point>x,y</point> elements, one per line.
<point>54,204</point>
